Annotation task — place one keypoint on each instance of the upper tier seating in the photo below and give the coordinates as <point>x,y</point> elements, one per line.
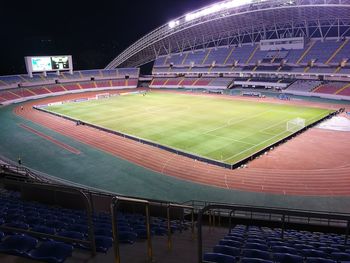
<point>7,82</point>
<point>328,52</point>
<point>20,93</point>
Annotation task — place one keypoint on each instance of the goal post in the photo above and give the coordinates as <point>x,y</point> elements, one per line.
<point>295,125</point>
<point>102,96</point>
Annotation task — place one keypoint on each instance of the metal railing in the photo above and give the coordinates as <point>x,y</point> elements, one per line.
<point>281,213</point>
<point>114,207</point>
<point>169,221</point>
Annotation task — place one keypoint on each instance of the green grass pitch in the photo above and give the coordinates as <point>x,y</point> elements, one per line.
<point>225,130</point>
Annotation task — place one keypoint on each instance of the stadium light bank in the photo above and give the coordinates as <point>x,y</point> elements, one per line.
<point>213,9</point>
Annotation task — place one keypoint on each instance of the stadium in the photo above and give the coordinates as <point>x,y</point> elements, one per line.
<point>234,147</point>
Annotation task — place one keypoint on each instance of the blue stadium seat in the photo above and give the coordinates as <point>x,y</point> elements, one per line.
<point>72,234</point>
<point>255,260</point>
<point>256,246</point>
<point>218,258</point>
<point>34,220</point>
<point>284,249</point>
<point>18,245</point>
<point>319,260</point>
<point>78,228</point>
<point>329,250</point>
<point>340,256</point>
<point>235,252</point>
<point>235,238</point>
<point>255,253</point>
<point>230,243</point>
<point>103,243</point>
<point>127,237</point>
<point>160,231</point>
<point>58,225</point>
<point>103,232</point>
<point>287,258</point>
<point>313,253</point>
<point>303,246</point>
<point>52,252</point>
<point>43,229</point>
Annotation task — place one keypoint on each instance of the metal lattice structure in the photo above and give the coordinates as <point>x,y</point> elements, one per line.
<point>261,19</point>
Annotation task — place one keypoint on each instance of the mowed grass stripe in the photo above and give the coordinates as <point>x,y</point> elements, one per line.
<point>212,127</point>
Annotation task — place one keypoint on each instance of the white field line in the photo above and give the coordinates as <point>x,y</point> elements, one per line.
<point>253,146</point>
<point>229,139</point>
<point>266,139</point>
<point>229,123</point>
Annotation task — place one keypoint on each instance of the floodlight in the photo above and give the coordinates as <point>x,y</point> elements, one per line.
<point>217,8</point>
<point>174,23</point>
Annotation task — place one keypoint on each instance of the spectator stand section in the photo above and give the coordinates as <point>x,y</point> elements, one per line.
<point>38,217</point>
<point>261,234</point>
<point>20,88</point>
<point>251,66</point>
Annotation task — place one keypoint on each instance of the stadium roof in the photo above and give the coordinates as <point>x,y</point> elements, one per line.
<point>235,22</point>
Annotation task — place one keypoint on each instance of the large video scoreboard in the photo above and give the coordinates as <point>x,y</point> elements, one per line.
<point>48,64</point>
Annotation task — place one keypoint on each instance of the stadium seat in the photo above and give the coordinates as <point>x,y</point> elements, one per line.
<point>287,258</point>
<point>52,252</point>
<point>256,246</point>
<point>319,260</point>
<point>284,249</point>
<point>103,243</point>
<point>235,238</point>
<point>340,256</point>
<point>34,221</point>
<point>43,229</point>
<point>255,260</point>
<point>18,245</point>
<point>127,237</point>
<point>329,250</point>
<point>255,253</point>
<point>230,243</point>
<point>313,253</point>
<point>103,232</point>
<point>235,252</point>
<point>218,258</point>
<point>72,234</point>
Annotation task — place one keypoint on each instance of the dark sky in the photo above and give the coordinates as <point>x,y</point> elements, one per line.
<point>93,32</point>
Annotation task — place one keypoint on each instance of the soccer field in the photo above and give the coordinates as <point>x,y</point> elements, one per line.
<point>220,129</point>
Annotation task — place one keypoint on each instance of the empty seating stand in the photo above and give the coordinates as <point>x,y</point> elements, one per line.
<point>70,223</point>
<point>263,244</point>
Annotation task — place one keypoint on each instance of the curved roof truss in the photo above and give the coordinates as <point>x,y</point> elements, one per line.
<point>263,19</point>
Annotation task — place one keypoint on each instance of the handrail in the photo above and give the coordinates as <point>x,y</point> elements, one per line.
<point>91,234</point>
<point>39,234</point>
<point>200,204</point>
<point>170,205</point>
<point>114,207</point>
<point>282,212</point>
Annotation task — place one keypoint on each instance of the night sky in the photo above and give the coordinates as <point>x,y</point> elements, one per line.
<point>93,32</point>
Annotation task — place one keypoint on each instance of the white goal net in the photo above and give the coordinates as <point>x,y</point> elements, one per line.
<point>295,125</point>
<point>102,96</point>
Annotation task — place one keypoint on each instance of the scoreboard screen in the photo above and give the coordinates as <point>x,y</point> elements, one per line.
<point>41,64</point>
<point>59,63</point>
<point>48,63</point>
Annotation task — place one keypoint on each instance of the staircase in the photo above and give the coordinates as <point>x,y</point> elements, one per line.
<point>337,51</point>
<point>306,52</point>
<point>343,88</point>
<point>252,54</point>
